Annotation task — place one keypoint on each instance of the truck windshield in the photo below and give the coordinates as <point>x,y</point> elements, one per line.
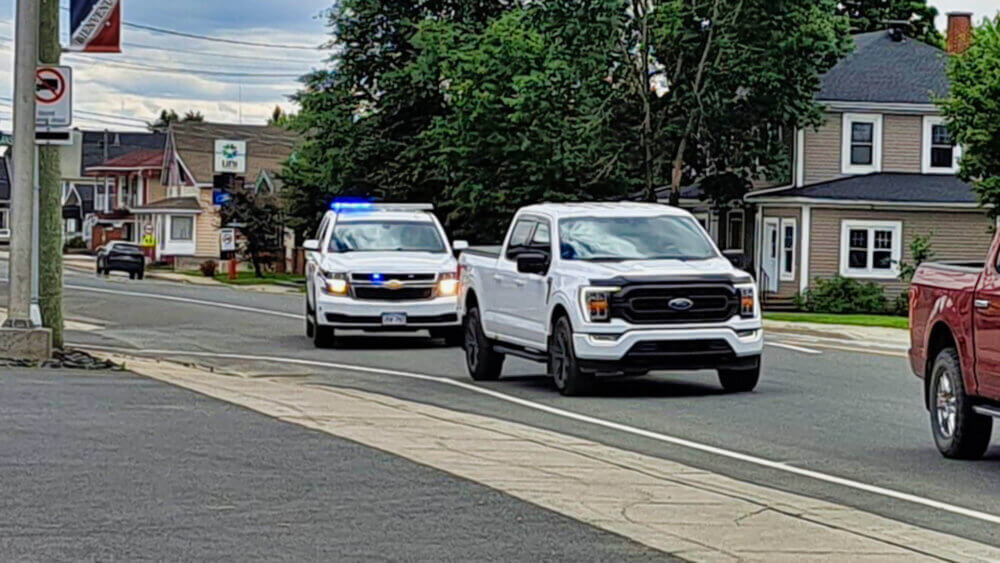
<point>633,238</point>
<point>375,236</point>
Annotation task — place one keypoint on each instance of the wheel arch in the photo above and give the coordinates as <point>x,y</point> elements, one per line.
<point>941,337</point>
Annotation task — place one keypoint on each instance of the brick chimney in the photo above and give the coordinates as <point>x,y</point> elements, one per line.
<point>959,32</point>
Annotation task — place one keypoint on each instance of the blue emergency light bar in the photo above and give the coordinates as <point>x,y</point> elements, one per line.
<point>347,206</point>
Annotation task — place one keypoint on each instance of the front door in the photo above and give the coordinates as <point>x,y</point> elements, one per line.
<point>769,267</point>
<point>987,331</point>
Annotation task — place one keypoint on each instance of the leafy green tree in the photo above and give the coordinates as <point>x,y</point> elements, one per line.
<point>717,85</point>
<point>167,117</point>
<point>873,15</point>
<point>972,109</point>
<point>532,115</point>
<point>361,121</point>
<point>258,216</point>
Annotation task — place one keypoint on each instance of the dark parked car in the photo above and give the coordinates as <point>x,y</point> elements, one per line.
<point>121,256</point>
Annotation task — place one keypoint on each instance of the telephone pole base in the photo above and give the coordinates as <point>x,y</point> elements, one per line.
<point>26,343</point>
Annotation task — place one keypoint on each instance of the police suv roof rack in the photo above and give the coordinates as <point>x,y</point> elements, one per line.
<point>339,206</point>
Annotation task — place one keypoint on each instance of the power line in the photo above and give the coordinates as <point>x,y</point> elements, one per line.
<point>210,38</point>
<point>203,53</point>
<point>180,70</point>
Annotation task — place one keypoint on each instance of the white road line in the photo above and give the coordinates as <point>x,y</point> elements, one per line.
<point>795,348</point>
<point>722,452</point>
<point>300,317</point>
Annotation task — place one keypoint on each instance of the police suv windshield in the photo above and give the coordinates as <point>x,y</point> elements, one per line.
<point>633,238</point>
<point>380,236</point>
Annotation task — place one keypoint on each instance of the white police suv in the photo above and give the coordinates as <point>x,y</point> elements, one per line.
<point>381,267</point>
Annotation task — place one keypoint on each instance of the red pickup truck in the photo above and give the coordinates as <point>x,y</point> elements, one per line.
<point>955,348</point>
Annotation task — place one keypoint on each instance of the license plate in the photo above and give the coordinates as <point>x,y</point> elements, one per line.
<point>393,319</point>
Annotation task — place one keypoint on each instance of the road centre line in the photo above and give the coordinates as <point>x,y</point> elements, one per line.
<point>664,438</point>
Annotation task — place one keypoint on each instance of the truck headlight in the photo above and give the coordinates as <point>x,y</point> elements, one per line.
<point>447,285</point>
<point>596,303</point>
<point>336,283</point>
<point>748,301</point>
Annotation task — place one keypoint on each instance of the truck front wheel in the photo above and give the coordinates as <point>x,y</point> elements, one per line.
<point>483,363</point>
<point>563,367</point>
<point>958,431</point>
<point>739,380</point>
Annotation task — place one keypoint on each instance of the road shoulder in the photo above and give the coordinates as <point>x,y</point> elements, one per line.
<point>687,512</point>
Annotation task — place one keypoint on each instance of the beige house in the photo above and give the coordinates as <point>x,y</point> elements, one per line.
<point>186,221</point>
<point>878,173</point>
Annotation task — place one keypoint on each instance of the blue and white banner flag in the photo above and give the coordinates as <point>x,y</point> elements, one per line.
<point>95,26</point>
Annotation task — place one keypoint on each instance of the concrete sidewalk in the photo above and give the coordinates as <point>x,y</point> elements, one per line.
<point>113,467</point>
<point>860,335</point>
<point>690,513</point>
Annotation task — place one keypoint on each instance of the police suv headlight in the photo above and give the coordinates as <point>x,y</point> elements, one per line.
<point>748,300</point>
<point>448,284</point>
<point>595,303</point>
<point>336,283</point>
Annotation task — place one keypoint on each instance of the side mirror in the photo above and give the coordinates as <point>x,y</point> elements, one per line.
<point>311,244</point>
<point>460,245</point>
<point>737,258</point>
<point>533,263</point>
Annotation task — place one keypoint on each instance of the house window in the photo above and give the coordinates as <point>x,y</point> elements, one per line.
<point>182,228</point>
<point>940,154</point>
<point>99,198</point>
<point>871,249</point>
<point>734,230</point>
<point>71,225</point>
<point>789,234</point>
<point>862,143</point>
<point>3,218</point>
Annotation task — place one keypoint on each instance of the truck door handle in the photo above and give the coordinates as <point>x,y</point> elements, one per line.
<point>519,283</point>
<point>982,303</point>
<point>497,278</point>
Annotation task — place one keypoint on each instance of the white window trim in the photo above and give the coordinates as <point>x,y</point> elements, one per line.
<point>869,273</point>
<point>788,273</point>
<point>706,217</point>
<point>845,149</point>
<point>925,148</point>
<point>743,224</point>
<point>175,247</point>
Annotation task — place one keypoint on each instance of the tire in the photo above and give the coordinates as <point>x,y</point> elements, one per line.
<point>453,337</point>
<point>563,366</point>
<point>481,361</point>
<point>131,275</point>
<point>959,432</point>
<point>310,323</point>
<point>739,380</point>
<point>141,274</point>
<point>323,336</point>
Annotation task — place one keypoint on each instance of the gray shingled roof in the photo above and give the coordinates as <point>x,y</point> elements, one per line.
<point>119,144</point>
<point>883,70</point>
<point>895,187</point>
<point>178,203</point>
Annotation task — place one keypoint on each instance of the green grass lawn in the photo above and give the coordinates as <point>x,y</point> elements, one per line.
<point>247,278</point>
<point>854,320</point>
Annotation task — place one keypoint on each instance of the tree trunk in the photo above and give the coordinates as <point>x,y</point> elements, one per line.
<point>50,221</point>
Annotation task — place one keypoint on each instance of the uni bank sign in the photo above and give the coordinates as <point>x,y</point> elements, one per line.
<point>230,156</point>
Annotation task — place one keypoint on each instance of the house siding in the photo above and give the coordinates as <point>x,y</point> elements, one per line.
<point>956,236</point>
<point>901,143</point>
<point>822,150</point>
<point>207,235</point>
<point>786,288</point>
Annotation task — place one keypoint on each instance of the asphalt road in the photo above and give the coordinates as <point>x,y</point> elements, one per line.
<point>843,414</point>
<point>102,467</point>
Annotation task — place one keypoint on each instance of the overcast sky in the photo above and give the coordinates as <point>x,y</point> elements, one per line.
<point>140,94</point>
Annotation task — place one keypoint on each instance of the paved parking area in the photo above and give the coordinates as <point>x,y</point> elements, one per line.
<point>111,466</point>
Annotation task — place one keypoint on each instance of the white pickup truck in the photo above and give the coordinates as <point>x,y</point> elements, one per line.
<point>381,267</point>
<point>609,288</point>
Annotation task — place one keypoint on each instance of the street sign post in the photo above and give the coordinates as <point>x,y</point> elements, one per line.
<point>53,105</point>
<point>227,240</point>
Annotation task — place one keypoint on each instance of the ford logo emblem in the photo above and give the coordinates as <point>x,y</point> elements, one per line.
<point>681,304</point>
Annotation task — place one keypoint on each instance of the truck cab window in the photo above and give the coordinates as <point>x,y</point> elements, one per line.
<point>519,237</point>
<point>542,240</point>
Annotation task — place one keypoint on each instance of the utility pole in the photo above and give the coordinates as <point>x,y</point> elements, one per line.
<point>20,338</point>
<point>50,198</point>
<point>25,59</point>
